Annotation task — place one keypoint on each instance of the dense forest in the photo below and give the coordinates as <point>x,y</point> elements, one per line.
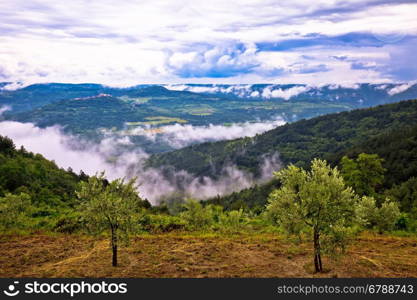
<point>43,180</point>
<point>398,149</point>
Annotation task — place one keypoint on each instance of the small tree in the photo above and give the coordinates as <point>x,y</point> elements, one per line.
<point>109,206</point>
<point>317,199</point>
<point>381,218</point>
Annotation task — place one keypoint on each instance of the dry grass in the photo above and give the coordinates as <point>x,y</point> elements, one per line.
<point>182,255</point>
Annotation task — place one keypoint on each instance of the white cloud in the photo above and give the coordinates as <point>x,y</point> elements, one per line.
<point>240,90</point>
<point>381,87</point>
<point>128,42</point>
<point>4,108</point>
<point>180,135</point>
<point>286,94</point>
<point>399,89</point>
<point>347,85</point>
<point>247,91</point>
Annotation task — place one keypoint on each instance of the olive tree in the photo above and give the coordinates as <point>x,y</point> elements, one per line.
<point>110,206</point>
<point>317,199</point>
<point>381,218</point>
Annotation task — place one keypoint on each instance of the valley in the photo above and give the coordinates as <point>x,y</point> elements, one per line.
<point>203,186</point>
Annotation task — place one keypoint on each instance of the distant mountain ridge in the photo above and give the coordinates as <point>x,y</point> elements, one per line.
<point>359,95</point>
<point>38,95</point>
<point>356,95</point>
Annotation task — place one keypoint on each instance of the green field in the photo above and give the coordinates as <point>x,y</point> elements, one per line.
<point>157,121</point>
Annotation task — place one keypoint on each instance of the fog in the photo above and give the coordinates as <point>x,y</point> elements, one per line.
<point>108,155</point>
<point>399,89</point>
<point>244,91</point>
<point>4,109</point>
<point>180,135</point>
<point>286,94</point>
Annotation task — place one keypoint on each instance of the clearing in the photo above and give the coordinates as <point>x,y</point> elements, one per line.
<point>200,255</point>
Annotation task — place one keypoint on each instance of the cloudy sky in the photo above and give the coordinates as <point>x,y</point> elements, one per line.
<point>127,42</point>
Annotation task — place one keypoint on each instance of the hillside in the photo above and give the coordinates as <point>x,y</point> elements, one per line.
<point>296,143</point>
<point>397,147</point>
<point>25,172</point>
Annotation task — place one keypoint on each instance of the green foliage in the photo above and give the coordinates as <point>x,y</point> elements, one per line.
<point>381,218</point>
<point>113,206</point>
<point>317,199</point>
<point>397,146</point>
<point>366,212</point>
<point>159,223</point>
<point>395,141</point>
<point>196,215</point>
<point>69,222</point>
<point>387,216</point>
<point>7,146</point>
<point>108,205</point>
<point>364,174</point>
<point>41,179</point>
<point>233,220</point>
<point>406,195</point>
<point>15,211</point>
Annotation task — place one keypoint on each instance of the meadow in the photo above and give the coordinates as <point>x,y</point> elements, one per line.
<point>201,254</point>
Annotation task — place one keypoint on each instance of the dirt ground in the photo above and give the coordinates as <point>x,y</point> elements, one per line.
<point>187,255</point>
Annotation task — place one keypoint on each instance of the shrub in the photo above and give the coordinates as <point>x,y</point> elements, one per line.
<point>69,223</point>
<point>197,216</point>
<point>157,223</point>
<point>232,220</point>
<point>15,211</point>
<point>381,218</point>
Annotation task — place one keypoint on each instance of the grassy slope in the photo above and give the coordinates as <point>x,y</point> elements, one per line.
<point>199,255</point>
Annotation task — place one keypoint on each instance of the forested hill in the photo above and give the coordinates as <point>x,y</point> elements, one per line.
<point>25,172</point>
<point>296,143</point>
<point>38,95</point>
<point>397,148</point>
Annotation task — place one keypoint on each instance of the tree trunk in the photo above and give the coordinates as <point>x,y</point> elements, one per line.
<point>114,247</point>
<point>317,255</point>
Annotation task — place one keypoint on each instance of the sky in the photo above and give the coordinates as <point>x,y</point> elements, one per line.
<point>127,42</point>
